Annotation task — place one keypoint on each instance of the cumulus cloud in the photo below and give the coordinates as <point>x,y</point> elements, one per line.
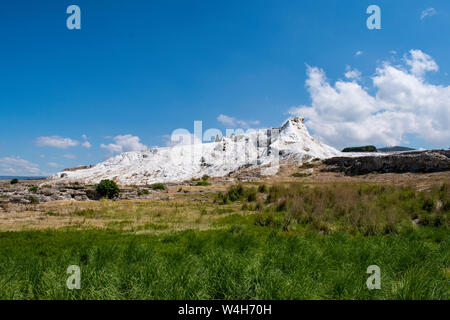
<point>233,122</point>
<point>55,165</point>
<point>420,62</point>
<point>56,142</point>
<point>353,74</point>
<point>60,142</point>
<point>86,144</point>
<point>427,13</point>
<point>17,166</point>
<point>403,103</point>
<point>358,53</point>
<point>124,143</point>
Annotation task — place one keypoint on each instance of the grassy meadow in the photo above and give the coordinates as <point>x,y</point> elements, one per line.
<point>252,241</point>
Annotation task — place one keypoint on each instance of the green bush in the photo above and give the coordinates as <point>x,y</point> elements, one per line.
<point>33,189</point>
<point>14,181</point>
<point>203,183</point>
<point>158,186</point>
<point>301,175</point>
<point>205,177</point>
<point>360,149</point>
<point>143,192</point>
<point>34,200</point>
<point>251,195</point>
<point>107,188</point>
<point>262,188</point>
<point>235,193</point>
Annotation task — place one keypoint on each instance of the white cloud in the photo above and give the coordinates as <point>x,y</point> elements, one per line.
<point>55,165</point>
<point>69,156</point>
<point>86,144</point>
<point>124,143</point>
<point>17,166</point>
<point>56,142</point>
<point>233,122</point>
<point>358,53</point>
<point>346,114</point>
<point>61,143</point>
<point>353,74</point>
<point>428,13</point>
<point>420,63</point>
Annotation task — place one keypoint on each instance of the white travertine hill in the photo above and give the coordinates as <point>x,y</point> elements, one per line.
<point>262,148</point>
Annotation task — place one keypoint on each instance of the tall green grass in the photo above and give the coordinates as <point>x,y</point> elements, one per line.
<point>241,261</point>
<point>288,242</point>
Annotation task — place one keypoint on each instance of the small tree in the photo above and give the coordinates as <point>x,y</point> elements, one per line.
<point>107,188</point>
<point>158,186</point>
<point>14,181</point>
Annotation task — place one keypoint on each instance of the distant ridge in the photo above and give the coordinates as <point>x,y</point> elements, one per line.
<point>21,177</point>
<point>395,148</point>
<point>374,149</point>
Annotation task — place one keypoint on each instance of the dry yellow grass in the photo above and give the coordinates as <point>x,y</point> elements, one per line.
<point>186,207</point>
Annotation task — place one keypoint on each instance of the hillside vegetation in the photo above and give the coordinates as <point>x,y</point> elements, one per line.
<point>251,241</point>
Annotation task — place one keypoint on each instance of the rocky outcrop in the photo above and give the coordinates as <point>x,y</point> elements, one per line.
<point>25,193</point>
<point>416,161</point>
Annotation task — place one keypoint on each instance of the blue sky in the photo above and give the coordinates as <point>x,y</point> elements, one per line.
<point>140,69</point>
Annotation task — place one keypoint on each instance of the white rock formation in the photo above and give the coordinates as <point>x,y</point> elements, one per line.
<point>263,148</point>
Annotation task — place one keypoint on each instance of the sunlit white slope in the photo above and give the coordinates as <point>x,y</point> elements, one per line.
<point>261,148</point>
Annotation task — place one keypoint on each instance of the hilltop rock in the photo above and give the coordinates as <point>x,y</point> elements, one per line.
<point>262,148</point>
<point>417,161</point>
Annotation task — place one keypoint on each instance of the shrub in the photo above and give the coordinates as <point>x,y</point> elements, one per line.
<point>301,175</point>
<point>235,193</point>
<point>307,165</point>
<point>360,149</point>
<point>428,205</point>
<point>251,195</point>
<point>14,181</point>
<point>34,200</point>
<point>262,188</point>
<point>203,183</point>
<point>143,192</point>
<point>33,189</point>
<point>107,188</point>
<point>158,186</point>
<point>205,177</point>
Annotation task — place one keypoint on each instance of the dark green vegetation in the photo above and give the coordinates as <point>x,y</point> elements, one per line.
<point>395,148</point>
<point>360,149</point>
<point>301,175</point>
<point>290,241</point>
<point>107,188</point>
<point>143,192</point>
<point>158,186</point>
<point>14,181</point>
<point>203,182</point>
<point>373,149</point>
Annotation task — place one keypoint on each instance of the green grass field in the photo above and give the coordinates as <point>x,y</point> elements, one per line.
<point>272,250</point>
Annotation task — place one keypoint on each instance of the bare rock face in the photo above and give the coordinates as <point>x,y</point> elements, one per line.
<point>417,161</point>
